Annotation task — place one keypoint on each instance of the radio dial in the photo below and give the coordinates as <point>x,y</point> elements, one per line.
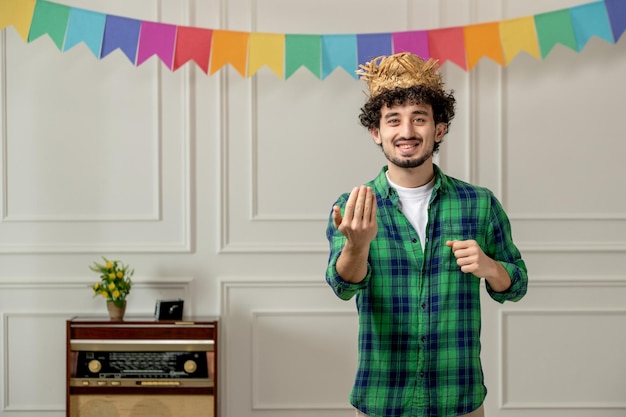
<point>190,366</point>
<point>94,366</point>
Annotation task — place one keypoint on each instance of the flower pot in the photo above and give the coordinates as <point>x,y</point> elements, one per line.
<point>116,313</point>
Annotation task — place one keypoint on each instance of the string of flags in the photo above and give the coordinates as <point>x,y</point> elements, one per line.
<point>321,54</point>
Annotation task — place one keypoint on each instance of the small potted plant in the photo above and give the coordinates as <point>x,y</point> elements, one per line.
<point>114,285</point>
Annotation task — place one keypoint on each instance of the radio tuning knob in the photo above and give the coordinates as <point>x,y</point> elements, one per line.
<point>94,366</point>
<point>190,366</point>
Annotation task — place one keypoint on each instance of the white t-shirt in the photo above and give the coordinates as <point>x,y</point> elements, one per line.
<point>414,205</point>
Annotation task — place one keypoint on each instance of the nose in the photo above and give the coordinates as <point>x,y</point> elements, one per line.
<point>406,129</point>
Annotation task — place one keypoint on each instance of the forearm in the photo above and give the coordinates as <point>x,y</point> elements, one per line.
<point>498,278</point>
<point>352,263</point>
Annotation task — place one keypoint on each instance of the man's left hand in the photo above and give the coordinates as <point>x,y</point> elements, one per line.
<point>471,258</point>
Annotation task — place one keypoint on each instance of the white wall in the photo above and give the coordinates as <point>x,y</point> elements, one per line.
<point>217,189</point>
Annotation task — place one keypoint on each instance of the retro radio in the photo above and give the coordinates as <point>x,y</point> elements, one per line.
<point>141,367</point>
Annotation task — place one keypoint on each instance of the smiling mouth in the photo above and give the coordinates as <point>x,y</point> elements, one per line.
<point>408,147</point>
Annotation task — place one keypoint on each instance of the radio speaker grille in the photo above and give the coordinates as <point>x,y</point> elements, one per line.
<point>141,406</point>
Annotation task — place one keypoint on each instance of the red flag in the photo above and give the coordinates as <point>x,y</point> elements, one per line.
<point>448,45</point>
<point>193,44</point>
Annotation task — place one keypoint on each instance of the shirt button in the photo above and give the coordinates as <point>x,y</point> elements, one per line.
<point>423,338</point>
<point>414,240</point>
<point>422,374</point>
<point>423,305</point>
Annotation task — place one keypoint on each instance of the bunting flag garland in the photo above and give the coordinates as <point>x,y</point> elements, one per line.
<point>321,54</point>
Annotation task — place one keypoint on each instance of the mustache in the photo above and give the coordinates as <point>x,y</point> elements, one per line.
<point>412,138</point>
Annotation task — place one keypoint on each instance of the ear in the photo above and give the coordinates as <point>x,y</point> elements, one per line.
<point>441,130</point>
<point>375,132</point>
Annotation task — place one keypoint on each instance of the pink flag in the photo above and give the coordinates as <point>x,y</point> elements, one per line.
<point>156,39</point>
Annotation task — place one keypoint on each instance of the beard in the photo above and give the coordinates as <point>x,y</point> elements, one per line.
<point>410,162</point>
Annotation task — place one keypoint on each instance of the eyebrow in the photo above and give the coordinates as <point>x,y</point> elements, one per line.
<point>414,112</point>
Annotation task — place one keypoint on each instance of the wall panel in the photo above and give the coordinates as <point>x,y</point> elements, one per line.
<point>301,342</point>
<point>129,150</point>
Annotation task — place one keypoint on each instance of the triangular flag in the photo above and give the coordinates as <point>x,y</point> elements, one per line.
<point>555,27</point>
<point>18,13</point>
<point>519,35</point>
<point>339,51</point>
<point>373,45</point>
<point>616,10</point>
<point>85,26</point>
<point>193,44</point>
<point>266,49</point>
<point>229,48</point>
<point>415,42</point>
<point>51,19</point>
<point>303,51</point>
<point>590,20</point>
<point>483,40</point>
<point>123,33</point>
<point>448,44</point>
<point>156,39</point>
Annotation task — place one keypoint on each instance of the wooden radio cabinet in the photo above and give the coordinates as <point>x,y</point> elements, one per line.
<point>141,367</point>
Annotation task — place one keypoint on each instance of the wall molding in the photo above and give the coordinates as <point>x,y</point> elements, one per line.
<point>561,405</point>
<point>257,402</point>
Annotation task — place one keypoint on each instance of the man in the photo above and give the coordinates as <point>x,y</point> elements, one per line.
<point>413,245</point>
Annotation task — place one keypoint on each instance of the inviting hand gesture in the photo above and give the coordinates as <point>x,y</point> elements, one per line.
<point>358,223</point>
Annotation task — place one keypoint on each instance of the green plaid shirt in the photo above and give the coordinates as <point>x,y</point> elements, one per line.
<point>419,314</point>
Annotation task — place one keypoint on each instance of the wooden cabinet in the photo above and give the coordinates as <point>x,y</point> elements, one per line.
<point>141,368</point>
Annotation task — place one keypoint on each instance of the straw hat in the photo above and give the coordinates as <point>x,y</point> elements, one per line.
<point>399,70</point>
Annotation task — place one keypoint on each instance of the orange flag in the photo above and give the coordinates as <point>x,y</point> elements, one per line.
<point>519,35</point>
<point>18,13</point>
<point>483,40</point>
<point>229,48</point>
<point>266,49</point>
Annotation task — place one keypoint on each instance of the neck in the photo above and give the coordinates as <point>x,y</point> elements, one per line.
<point>411,177</point>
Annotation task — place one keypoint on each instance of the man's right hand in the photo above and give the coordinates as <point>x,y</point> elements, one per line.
<point>358,223</point>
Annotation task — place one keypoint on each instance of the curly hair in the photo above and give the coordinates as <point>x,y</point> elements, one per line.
<point>442,103</point>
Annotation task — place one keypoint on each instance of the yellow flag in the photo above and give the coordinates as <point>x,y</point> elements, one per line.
<point>266,49</point>
<point>519,35</point>
<point>18,13</point>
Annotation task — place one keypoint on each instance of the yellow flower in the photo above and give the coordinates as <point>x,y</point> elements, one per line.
<point>115,278</point>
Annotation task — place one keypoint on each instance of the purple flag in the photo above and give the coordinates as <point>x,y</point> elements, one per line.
<point>373,45</point>
<point>617,16</point>
<point>123,33</point>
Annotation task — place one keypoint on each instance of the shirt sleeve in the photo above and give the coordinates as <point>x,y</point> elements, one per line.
<point>344,290</point>
<point>503,250</point>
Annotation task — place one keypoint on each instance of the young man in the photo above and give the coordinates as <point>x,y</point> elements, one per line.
<point>413,245</point>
